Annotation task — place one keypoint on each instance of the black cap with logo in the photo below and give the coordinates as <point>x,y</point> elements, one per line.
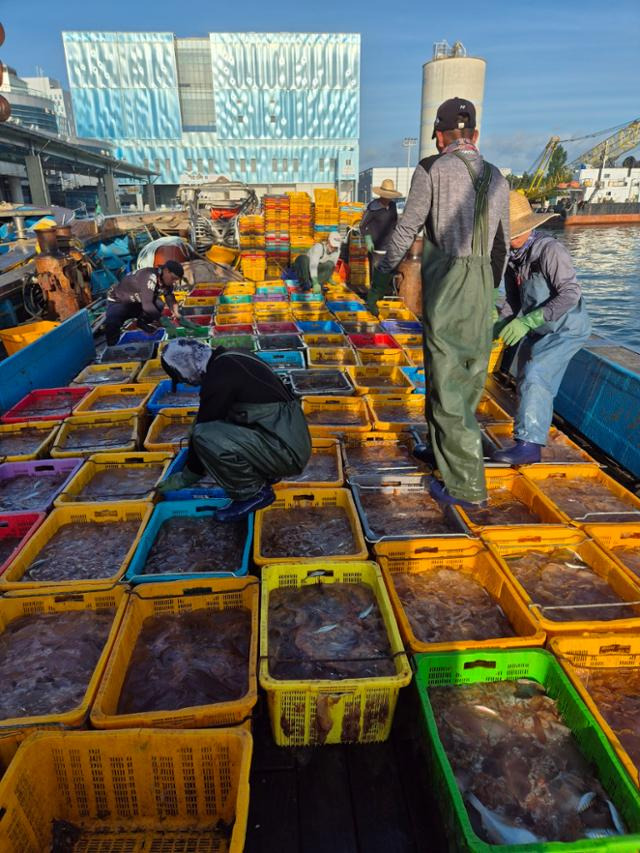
<point>454,114</point>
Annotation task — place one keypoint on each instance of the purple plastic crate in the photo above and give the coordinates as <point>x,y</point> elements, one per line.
<point>277,328</point>
<point>39,469</point>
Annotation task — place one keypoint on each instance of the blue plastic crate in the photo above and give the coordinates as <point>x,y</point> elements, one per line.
<point>305,296</point>
<point>319,327</point>
<point>402,327</point>
<point>166,387</point>
<point>282,358</point>
<point>138,336</point>
<point>415,375</point>
<point>192,493</point>
<point>190,509</point>
<point>351,305</point>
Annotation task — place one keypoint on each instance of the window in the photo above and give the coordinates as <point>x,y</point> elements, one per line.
<point>195,84</point>
<point>167,165</point>
<point>274,165</point>
<point>243,164</point>
<point>253,164</point>
<point>200,164</point>
<point>232,164</point>
<point>145,162</point>
<point>189,164</point>
<point>332,164</point>
<point>285,165</point>
<point>157,164</point>
<point>296,164</point>
<point>272,119</point>
<point>347,162</point>
<point>240,118</point>
<point>321,164</point>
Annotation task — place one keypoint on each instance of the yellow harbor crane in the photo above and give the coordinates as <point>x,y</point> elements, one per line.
<point>624,138</point>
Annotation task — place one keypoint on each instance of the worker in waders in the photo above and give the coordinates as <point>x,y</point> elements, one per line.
<point>462,202</point>
<point>544,314</point>
<point>379,220</point>
<point>315,267</point>
<point>249,432</point>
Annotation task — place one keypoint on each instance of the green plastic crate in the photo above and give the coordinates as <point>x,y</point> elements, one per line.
<point>456,668</point>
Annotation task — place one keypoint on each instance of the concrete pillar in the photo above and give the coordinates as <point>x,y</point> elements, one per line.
<point>37,182</point>
<point>15,189</point>
<point>149,194</point>
<point>108,194</point>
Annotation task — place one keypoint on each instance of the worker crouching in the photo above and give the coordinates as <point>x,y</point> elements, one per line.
<point>544,314</point>
<point>249,432</point>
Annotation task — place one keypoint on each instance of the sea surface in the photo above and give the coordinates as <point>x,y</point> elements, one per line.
<point>607,261</point>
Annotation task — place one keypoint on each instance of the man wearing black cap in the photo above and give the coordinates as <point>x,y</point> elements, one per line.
<point>139,295</point>
<point>462,203</point>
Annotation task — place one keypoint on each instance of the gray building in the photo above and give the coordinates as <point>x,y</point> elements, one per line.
<point>29,107</point>
<point>61,99</point>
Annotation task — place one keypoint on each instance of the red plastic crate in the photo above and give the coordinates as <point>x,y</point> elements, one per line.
<point>206,291</point>
<point>75,393</point>
<point>234,329</point>
<point>374,341</point>
<point>18,525</point>
<point>283,328</point>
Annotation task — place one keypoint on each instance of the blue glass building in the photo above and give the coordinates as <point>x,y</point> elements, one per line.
<point>275,110</point>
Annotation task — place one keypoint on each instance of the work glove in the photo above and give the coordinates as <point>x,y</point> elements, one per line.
<point>168,326</point>
<point>315,286</point>
<point>368,239</point>
<point>187,324</point>
<point>378,290</point>
<point>516,329</point>
<point>180,480</point>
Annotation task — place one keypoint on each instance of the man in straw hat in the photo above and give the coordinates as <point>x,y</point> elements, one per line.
<point>462,202</point>
<point>545,314</point>
<point>379,220</point>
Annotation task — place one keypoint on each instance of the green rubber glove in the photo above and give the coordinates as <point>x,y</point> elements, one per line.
<point>368,240</point>
<point>180,480</point>
<point>187,324</point>
<point>515,331</point>
<point>168,326</point>
<point>315,287</point>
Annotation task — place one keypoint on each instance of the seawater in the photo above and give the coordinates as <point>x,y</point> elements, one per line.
<point>607,262</point>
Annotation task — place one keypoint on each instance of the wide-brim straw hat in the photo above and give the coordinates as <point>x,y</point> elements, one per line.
<point>387,189</point>
<point>521,216</point>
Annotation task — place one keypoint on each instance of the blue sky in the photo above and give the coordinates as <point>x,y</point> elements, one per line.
<point>565,68</point>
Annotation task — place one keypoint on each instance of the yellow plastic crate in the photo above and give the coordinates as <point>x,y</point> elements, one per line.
<point>126,392</point>
<point>396,313</point>
<point>502,435</point>
<point>355,317</point>
<point>201,302</point>
<point>366,704</point>
<point>356,405</point>
<point>408,341</point>
<point>469,557</point>
<point>235,308</point>
<point>522,490</point>
<point>373,379</point>
<point>131,791</point>
<point>306,498</point>
<point>506,544</point>
<point>164,417</point>
<point>380,403</point>
<point>176,597</point>
<point>608,651</point>
<point>415,355</point>
<point>301,311</point>
<point>489,412</point>
<point>611,537</point>
<point>14,606</point>
<point>539,474</point>
<point>234,319</point>
<point>384,357</point>
<point>495,359</point>
<point>109,461</point>
<point>63,443</point>
<point>320,447</point>
<point>47,430</point>
<point>152,371</point>
<point>18,337</point>
<point>322,356</point>
<point>105,513</point>
<point>321,340</point>
<point>124,371</point>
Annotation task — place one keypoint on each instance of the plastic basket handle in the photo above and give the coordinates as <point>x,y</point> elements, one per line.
<point>479,664</point>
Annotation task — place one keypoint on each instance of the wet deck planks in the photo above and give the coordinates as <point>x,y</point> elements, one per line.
<point>343,799</point>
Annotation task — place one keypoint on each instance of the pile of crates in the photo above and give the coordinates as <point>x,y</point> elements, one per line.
<point>300,224</point>
<point>277,241</point>
<point>361,382</point>
<point>326,214</point>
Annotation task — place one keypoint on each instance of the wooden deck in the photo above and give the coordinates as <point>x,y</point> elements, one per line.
<point>372,798</point>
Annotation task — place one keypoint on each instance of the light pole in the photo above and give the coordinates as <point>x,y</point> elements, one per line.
<point>408,142</point>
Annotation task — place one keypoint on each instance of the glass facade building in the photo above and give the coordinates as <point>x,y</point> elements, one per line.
<point>264,108</point>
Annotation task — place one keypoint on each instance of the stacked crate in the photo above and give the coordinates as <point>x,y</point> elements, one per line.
<point>276,229</point>
<point>300,224</point>
<point>327,214</point>
<point>253,259</point>
<point>358,260</point>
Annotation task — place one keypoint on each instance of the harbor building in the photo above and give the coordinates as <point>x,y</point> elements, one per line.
<point>30,107</point>
<point>279,111</point>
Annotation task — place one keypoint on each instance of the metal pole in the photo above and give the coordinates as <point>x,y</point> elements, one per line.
<point>408,142</point>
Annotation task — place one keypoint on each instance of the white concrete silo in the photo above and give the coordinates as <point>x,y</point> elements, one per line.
<point>449,74</point>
